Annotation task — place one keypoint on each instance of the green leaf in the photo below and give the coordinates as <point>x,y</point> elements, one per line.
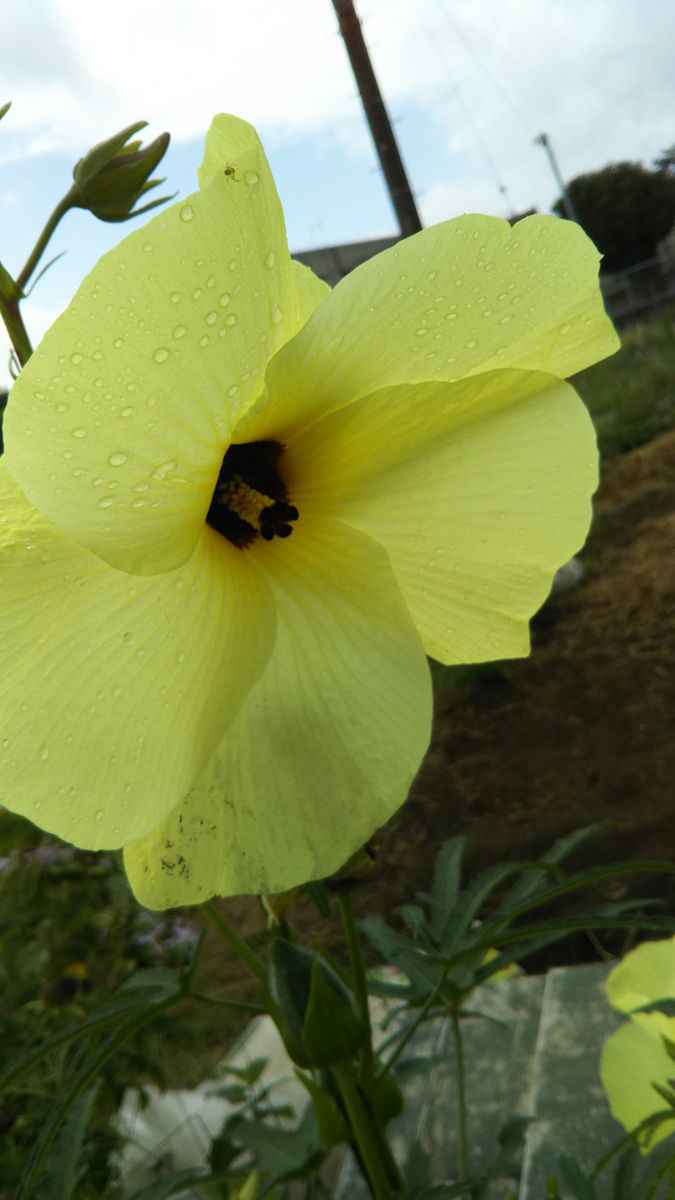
<point>145,988</point>
<point>82,1077</point>
<point>250,1073</point>
<point>4,109</point>
<point>318,892</point>
<point>446,883</point>
<point>536,876</point>
<point>64,1166</point>
<point>283,1153</point>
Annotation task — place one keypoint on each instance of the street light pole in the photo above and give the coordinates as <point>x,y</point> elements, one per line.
<point>543,139</point>
<point>376,114</point>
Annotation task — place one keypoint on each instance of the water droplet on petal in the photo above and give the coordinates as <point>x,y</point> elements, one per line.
<point>211,318</point>
<point>147,246</point>
<point>174,297</point>
<point>232,391</point>
<point>225,299</point>
<point>251,178</point>
<point>44,753</point>
<point>470,345</point>
<point>187,212</point>
<point>204,341</point>
<point>126,412</point>
<point>179,331</point>
<point>76,359</point>
<point>117,459</point>
<point>161,354</point>
<point>270,260</point>
<point>98,815</point>
<point>105,502</point>
<point>163,469</point>
<point>79,433</point>
<point>232,320</point>
<point>277,315</point>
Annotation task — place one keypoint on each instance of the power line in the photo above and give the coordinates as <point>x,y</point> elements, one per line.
<point>489,160</point>
<point>499,88</point>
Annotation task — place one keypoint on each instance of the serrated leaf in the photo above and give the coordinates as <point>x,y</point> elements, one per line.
<point>250,1073</point>
<point>534,877</point>
<point>283,1153</point>
<point>445,884</point>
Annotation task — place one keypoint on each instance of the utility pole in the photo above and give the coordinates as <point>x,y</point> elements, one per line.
<point>376,114</point>
<point>543,139</point>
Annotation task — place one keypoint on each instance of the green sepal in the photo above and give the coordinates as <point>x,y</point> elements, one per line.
<point>318,1017</point>
<point>386,1098</point>
<point>4,108</point>
<point>331,1125</point>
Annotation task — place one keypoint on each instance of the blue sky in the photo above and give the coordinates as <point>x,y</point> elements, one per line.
<point>468,85</point>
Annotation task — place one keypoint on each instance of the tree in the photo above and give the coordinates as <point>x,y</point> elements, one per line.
<point>625,208</point>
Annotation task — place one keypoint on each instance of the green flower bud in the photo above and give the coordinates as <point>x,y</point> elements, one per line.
<point>113,175</point>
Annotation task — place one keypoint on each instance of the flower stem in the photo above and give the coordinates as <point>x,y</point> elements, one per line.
<point>40,246</point>
<point>10,297</point>
<point>359,973</point>
<point>236,943</point>
<point>361,1128</point>
<point>460,1083</point>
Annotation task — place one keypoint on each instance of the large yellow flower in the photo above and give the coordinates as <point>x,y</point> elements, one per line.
<point>237,509</point>
<point>635,1057</point>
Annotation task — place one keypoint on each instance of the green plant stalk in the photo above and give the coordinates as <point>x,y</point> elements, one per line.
<point>359,973</point>
<point>362,1129</point>
<point>460,1082</point>
<point>236,943</point>
<point>40,246</point>
<point>413,1027</point>
<point>9,311</point>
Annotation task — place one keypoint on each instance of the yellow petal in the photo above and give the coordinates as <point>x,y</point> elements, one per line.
<point>461,298</point>
<point>117,426</point>
<point>645,974</point>
<point>325,747</point>
<point>116,689</point>
<point>479,490</point>
<point>633,1059</point>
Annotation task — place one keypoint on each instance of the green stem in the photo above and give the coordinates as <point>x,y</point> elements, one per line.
<point>412,1028</point>
<point>236,943</point>
<point>40,246</point>
<point>10,296</point>
<point>460,1081</point>
<point>359,973</point>
<point>361,1128</point>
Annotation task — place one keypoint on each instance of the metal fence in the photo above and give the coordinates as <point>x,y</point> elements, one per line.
<point>632,293</point>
